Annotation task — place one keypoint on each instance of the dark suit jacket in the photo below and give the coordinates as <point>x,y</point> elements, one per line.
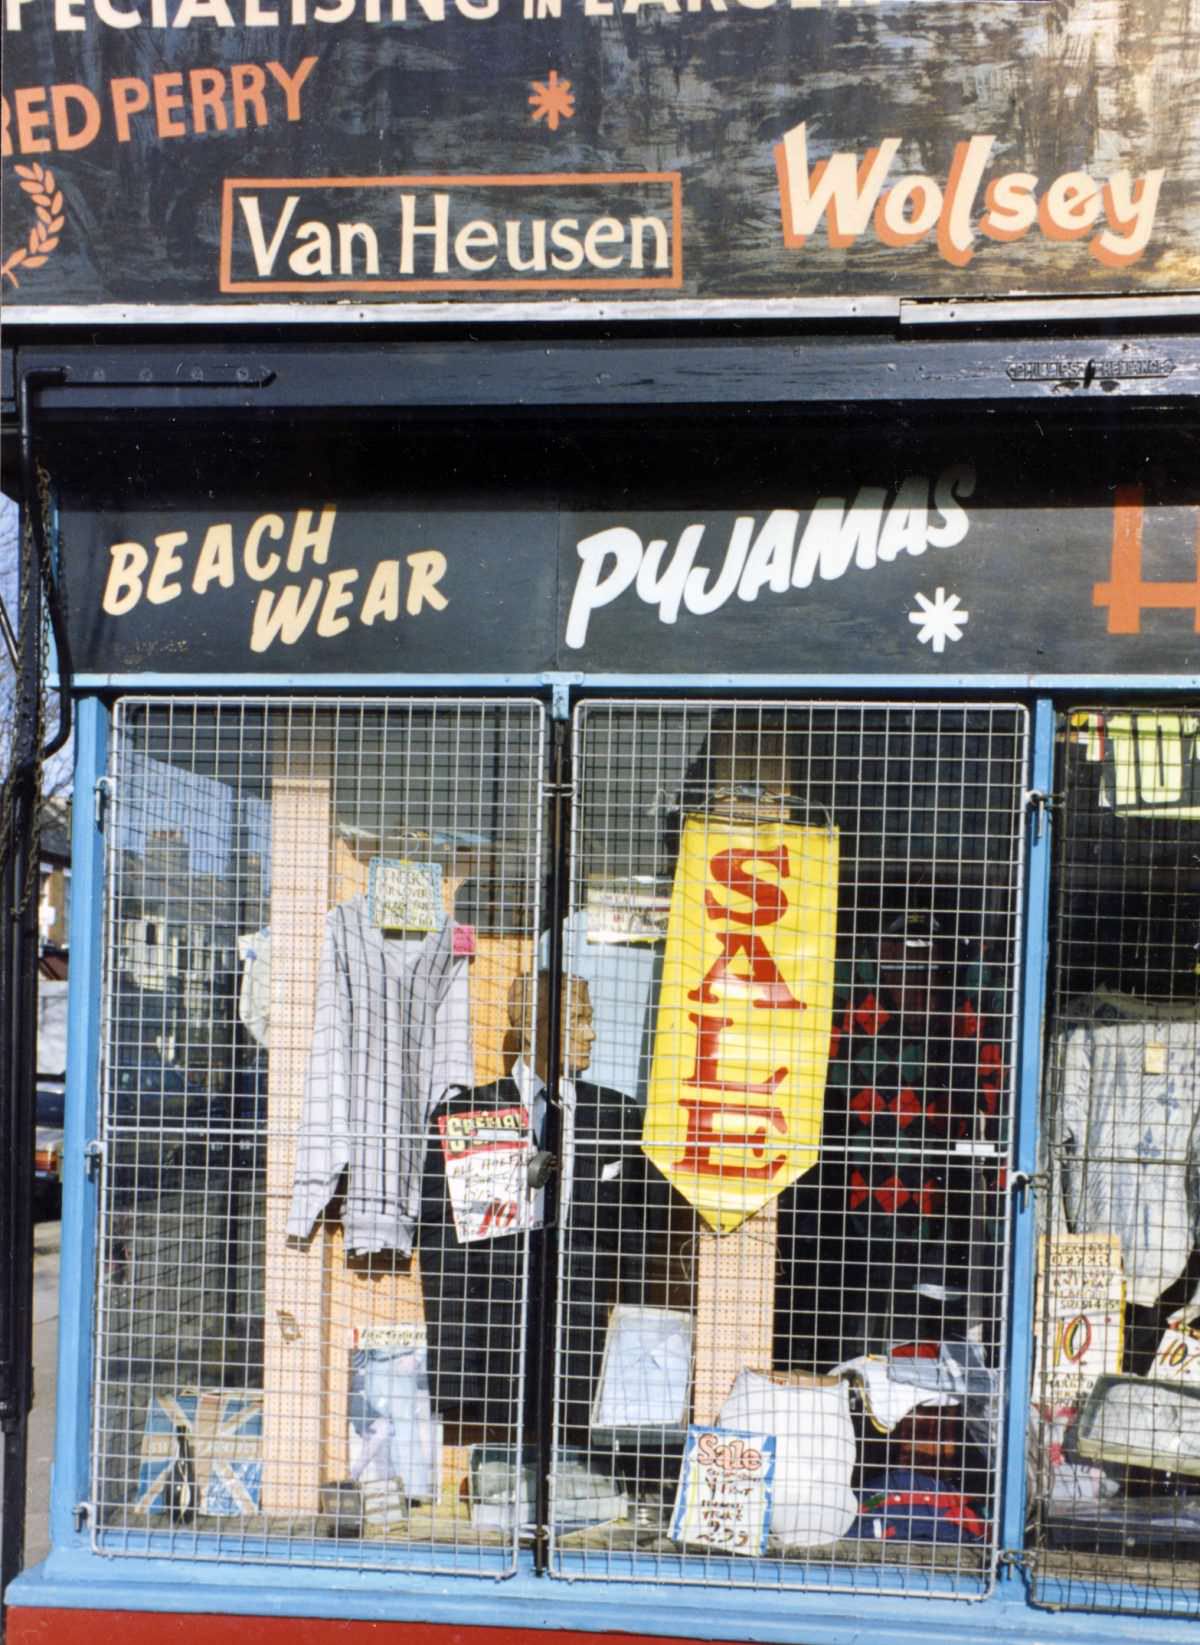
<point>480,1311</point>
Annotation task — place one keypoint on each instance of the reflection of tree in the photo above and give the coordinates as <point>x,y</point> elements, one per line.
<point>56,778</point>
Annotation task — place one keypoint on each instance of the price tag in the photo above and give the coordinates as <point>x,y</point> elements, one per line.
<point>726,1485</point>
<point>487,1153</point>
<point>405,896</point>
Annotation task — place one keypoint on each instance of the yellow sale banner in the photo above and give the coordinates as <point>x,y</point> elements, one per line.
<point>741,1041</point>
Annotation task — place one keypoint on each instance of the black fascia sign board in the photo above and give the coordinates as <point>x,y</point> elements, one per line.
<point>552,154</point>
<point>952,559</point>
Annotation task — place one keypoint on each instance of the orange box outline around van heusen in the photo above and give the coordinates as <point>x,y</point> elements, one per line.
<point>670,281</point>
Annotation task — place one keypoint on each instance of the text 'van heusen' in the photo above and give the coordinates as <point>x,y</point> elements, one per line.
<point>473,231</point>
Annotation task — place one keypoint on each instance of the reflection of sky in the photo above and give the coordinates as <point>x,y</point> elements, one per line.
<point>9,540</point>
<point>156,798</point>
<point>212,820</point>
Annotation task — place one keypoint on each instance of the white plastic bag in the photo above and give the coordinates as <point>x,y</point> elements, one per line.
<point>814,1454</point>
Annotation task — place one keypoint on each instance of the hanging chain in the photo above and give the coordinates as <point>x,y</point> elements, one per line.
<point>32,574</point>
<point>7,801</point>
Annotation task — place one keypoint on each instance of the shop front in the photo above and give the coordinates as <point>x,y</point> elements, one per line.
<point>634,1067</point>
<point>628,581</point>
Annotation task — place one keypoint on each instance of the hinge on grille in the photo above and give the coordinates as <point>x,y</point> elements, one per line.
<point>102,799</point>
<point>93,1156</point>
<point>1023,1183</point>
<point>1018,1559</point>
<point>82,1512</point>
<point>1039,804</point>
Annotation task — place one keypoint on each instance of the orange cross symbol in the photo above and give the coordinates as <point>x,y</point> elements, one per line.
<point>1127,593</point>
<point>552,100</point>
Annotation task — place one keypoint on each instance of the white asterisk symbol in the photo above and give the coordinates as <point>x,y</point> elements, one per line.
<point>940,619</point>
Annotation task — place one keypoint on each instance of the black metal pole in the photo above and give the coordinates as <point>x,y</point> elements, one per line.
<point>19,896</point>
<point>53,583</point>
<point>545,1274</point>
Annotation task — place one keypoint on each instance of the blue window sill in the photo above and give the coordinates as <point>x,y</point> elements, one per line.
<point>76,1578</point>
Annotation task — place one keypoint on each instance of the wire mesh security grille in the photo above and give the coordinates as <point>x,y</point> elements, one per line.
<point>791,951</point>
<point>328,1184</point>
<point>1115,1442</point>
<point>311,1334</point>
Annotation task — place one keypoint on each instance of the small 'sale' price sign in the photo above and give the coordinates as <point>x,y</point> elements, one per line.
<point>725,1490</point>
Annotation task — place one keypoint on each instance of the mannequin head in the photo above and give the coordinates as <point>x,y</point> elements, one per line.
<point>916,971</point>
<point>578,1034</point>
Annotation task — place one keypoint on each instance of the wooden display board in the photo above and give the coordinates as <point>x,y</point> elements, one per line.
<point>735,1307</point>
<point>294,1284</point>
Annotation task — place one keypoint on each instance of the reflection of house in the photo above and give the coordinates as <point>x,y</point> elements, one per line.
<point>52,1029</point>
<point>179,985</point>
<point>54,904</point>
<point>176,918</point>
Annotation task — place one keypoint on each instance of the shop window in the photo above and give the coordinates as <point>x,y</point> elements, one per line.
<point>738,1297</point>
<point>798,928</point>
<point>1115,1446</point>
<point>315,915</point>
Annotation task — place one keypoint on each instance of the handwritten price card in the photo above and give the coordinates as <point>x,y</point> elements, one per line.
<point>487,1171</point>
<point>726,1485</point>
<point>1178,1356</point>
<point>405,896</point>
<point>1080,1313</point>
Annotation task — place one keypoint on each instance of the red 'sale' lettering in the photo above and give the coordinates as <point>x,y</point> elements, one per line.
<point>704,1135</point>
<point>728,869</point>
<point>708,1035</point>
<point>771,992</point>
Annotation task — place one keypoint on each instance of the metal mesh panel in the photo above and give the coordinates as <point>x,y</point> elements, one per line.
<point>791,947</point>
<point>315,913</point>
<point>1115,1441</point>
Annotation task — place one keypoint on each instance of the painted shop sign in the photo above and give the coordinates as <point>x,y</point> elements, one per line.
<point>205,152</point>
<point>608,232</point>
<point>950,570</point>
<point>849,196</point>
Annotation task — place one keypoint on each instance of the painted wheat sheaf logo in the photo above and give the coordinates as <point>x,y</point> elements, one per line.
<point>47,201</point>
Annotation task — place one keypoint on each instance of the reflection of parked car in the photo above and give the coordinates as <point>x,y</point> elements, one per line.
<point>146,1076</point>
<point>50,1095</point>
<point>165,1128</point>
<point>47,1147</point>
